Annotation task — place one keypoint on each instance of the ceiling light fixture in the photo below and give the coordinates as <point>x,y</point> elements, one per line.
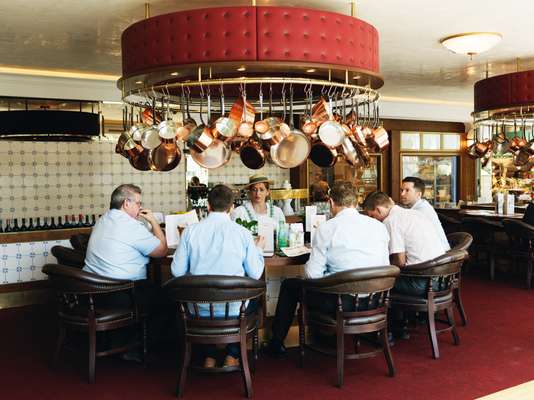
<point>241,69</point>
<point>310,70</point>
<point>174,73</point>
<point>471,43</point>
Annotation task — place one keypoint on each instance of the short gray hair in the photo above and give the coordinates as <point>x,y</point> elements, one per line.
<point>121,193</point>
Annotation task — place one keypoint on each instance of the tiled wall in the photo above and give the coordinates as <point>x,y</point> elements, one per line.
<point>54,179</point>
<point>22,262</point>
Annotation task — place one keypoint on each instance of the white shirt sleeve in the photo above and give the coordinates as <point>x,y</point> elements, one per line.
<point>396,238</point>
<point>317,264</point>
<point>254,261</point>
<point>180,262</point>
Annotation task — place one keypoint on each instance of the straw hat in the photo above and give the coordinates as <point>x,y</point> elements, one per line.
<point>258,178</point>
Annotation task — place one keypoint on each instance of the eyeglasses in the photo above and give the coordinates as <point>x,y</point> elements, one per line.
<point>138,203</point>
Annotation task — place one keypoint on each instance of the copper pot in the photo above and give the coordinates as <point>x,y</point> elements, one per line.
<point>123,138</point>
<point>471,151</point>
<point>166,156</point>
<point>215,155</point>
<point>322,155</point>
<point>252,154</point>
<point>137,156</point>
<point>188,123</point>
<point>225,127</point>
<point>350,152</point>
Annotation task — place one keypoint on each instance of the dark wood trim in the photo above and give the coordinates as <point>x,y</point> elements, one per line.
<point>41,236</point>
<point>24,286</point>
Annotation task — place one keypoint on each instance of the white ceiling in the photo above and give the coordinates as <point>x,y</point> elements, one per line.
<point>84,35</point>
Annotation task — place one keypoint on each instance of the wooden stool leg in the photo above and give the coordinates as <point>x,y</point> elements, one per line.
<point>59,344</point>
<point>387,351</point>
<point>452,323</point>
<point>245,371</point>
<point>144,340</point>
<point>432,332</point>
<point>340,355</point>
<point>184,364</point>
<point>492,265</point>
<point>302,337</point>
<point>460,305</point>
<point>92,353</point>
<point>529,271</point>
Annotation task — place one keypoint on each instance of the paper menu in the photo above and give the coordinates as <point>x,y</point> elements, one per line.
<point>173,221</point>
<point>266,229</point>
<point>311,211</point>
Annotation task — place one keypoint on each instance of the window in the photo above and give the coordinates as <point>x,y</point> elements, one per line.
<point>430,141</point>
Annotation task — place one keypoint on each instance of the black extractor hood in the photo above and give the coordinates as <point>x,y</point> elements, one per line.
<point>48,121</point>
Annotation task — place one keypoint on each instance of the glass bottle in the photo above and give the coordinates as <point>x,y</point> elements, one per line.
<point>38,226</point>
<point>87,222</point>
<point>8,226</point>
<point>53,223</point>
<point>60,224</point>
<point>23,226</point>
<point>31,227</point>
<point>1,226</point>
<point>16,227</point>
<point>93,220</point>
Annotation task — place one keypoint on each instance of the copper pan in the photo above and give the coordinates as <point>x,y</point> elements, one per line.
<point>252,154</point>
<point>225,127</point>
<point>166,156</point>
<point>188,123</point>
<point>331,132</point>
<point>137,156</point>
<point>363,154</point>
<point>123,138</point>
<point>307,124</point>
<point>243,112</point>
<point>321,112</point>
<point>350,152</point>
<point>322,155</point>
<point>215,155</point>
<point>201,137</point>
<point>471,151</point>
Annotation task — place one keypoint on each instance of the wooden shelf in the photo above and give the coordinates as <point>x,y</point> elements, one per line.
<point>40,236</point>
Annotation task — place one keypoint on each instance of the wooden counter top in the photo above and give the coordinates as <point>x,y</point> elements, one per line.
<point>40,236</point>
<point>490,214</point>
<point>160,269</point>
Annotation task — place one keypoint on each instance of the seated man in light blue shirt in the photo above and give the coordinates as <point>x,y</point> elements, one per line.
<point>348,240</point>
<point>219,246</point>
<point>120,245</point>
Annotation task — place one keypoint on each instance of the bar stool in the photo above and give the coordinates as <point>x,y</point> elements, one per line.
<point>521,237</point>
<point>483,232</point>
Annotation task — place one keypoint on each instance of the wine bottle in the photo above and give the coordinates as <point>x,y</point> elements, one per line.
<point>16,227</point>
<point>46,226</point>
<point>73,223</point>
<point>87,222</point>
<point>31,227</point>
<point>93,220</point>
<point>8,226</point>
<point>80,223</point>
<point>38,226</point>
<point>23,227</point>
<point>1,226</point>
<point>53,224</point>
<point>60,223</point>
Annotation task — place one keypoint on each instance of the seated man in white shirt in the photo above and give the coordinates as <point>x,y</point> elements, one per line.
<point>219,246</point>
<point>413,238</point>
<point>411,196</point>
<point>346,241</point>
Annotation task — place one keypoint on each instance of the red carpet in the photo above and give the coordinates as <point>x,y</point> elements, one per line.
<point>496,352</point>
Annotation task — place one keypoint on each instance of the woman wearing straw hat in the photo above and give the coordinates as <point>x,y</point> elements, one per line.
<point>258,186</point>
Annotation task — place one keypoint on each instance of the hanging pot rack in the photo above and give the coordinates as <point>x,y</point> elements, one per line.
<point>218,57</point>
<point>503,118</point>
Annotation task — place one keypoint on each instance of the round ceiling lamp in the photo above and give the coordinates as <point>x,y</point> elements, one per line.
<point>471,43</point>
<point>245,71</point>
<point>504,118</point>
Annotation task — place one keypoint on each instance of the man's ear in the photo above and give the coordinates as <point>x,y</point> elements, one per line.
<point>231,209</point>
<point>209,208</point>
